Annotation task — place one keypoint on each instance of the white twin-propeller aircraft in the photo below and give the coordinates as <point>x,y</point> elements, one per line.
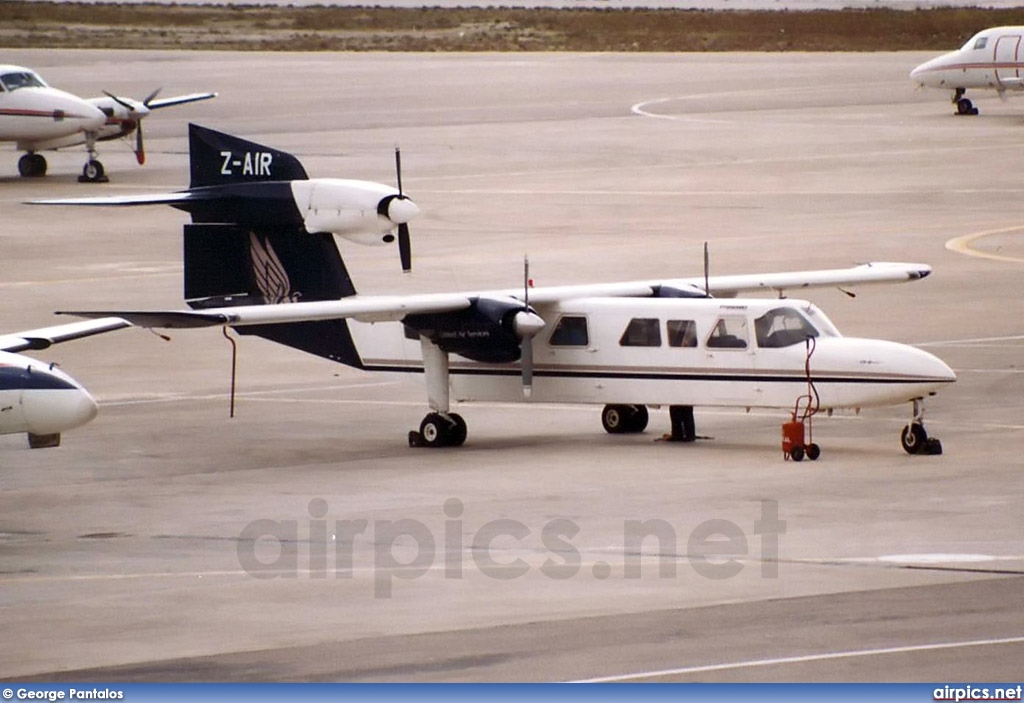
<point>260,258</point>
<point>40,399</point>
<point>41,118</point>
<point>993,59</point>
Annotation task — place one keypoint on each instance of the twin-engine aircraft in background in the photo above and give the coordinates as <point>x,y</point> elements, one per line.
<point>40,118</point>
<point>259,259</point>
<point>40,399</point>
<point>993,59</point>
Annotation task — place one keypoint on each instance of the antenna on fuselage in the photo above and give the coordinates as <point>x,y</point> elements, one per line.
<point>707,271</point>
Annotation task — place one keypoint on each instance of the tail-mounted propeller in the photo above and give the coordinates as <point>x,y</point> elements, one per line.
<point>134,119</point>
<point>400,209</point>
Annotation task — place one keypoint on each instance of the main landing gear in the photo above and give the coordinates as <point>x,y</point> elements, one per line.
<point>32,165</point>
<point>624,419</point>
<point>915,439</point>
<point>440,430</point>
<point>963,105</point>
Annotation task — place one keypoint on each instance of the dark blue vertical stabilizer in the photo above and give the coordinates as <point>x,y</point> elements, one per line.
<point>221,159</point>
<point>227,265</point>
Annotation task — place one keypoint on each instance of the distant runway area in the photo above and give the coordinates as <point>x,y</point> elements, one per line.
<point>304,540</point>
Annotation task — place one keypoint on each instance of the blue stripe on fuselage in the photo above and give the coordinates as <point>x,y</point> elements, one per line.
<point>15,378</point>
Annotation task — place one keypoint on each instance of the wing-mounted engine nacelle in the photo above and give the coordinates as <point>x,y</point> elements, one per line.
<point>360,211</point>
<point>490,331</point>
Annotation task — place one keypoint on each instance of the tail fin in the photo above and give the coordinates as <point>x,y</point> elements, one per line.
<point>229,265</point>
<point>217,159</point>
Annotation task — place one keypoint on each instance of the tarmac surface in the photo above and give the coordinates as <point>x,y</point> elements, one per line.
<point>167,542</point>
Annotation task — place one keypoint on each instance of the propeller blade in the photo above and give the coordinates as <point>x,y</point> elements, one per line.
<point>526,346</point>
<point>526,360</point>
<point>149,98</point>
<point>398,169</point>
<point>140,151</point>
<point>404,247</point>
<point>119,101</point>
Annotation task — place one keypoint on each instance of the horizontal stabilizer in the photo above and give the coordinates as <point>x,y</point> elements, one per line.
<point>118,200</point>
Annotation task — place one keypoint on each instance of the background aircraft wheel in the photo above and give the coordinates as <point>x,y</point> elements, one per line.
<point>913,438</point>
<point>813,451</point>
<point>965,107</point>
<point>796,453</point>
<point>639,419</point>
<point>32,166</point>
<point>92,172</point>
<point>615,418</point>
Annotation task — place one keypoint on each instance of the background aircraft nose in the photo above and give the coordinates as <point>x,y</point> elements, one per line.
<point>53,402</point>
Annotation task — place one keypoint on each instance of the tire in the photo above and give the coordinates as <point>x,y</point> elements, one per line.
<point>913,438</point>
<point>637,422</point>
<point>813,451</point>
<point>434,430</point>
<point>92,171</point>
<point>796,453</point>
<point>965,107</point>
<point>615,419</point>
<point>32,166</point>
<point>458,431</point>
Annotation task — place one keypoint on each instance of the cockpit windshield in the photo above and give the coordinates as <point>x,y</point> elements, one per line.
<point>786,326</point>
<point>21,79</point>
<point>975,43</point>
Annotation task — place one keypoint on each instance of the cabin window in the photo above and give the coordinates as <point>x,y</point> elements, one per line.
<point>642,332</point>
<point>980,44</point>
<point>682,333</point>
<point>571,331</point>
<point>782,327</point>
<point>730,332</point>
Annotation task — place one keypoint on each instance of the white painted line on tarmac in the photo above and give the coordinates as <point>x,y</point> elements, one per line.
<point>824,656</point>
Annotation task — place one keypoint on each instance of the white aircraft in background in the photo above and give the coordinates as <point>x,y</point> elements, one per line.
<point>40,118</point>
<point>259,258</point>
<point>40,399</point>
<point>993,59</point>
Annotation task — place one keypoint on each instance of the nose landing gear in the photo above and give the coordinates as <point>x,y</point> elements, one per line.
<point>914,438</point>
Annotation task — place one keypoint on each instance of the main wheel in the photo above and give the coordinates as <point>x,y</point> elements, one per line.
<point>32,166</point>
<point>913,438</point>
<point>615,418</point>
<point>434,430</point>
<point>458,432</point>
<point>639,419</point>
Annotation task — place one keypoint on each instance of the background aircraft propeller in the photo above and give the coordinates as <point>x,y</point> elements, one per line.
<point>134,119</point>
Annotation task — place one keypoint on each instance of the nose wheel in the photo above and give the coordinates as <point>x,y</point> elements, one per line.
<point>93,172</point>
<point>914,438</point>
<point>963,105</point>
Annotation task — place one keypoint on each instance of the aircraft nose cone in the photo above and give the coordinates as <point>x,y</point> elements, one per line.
<point>53,410</point>
<point>401,210</point>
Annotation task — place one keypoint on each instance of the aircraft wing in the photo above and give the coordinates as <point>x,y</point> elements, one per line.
<point>383,308</point>
<point>731,286</point>
<point>47,336</point>
<point>179,100</point>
